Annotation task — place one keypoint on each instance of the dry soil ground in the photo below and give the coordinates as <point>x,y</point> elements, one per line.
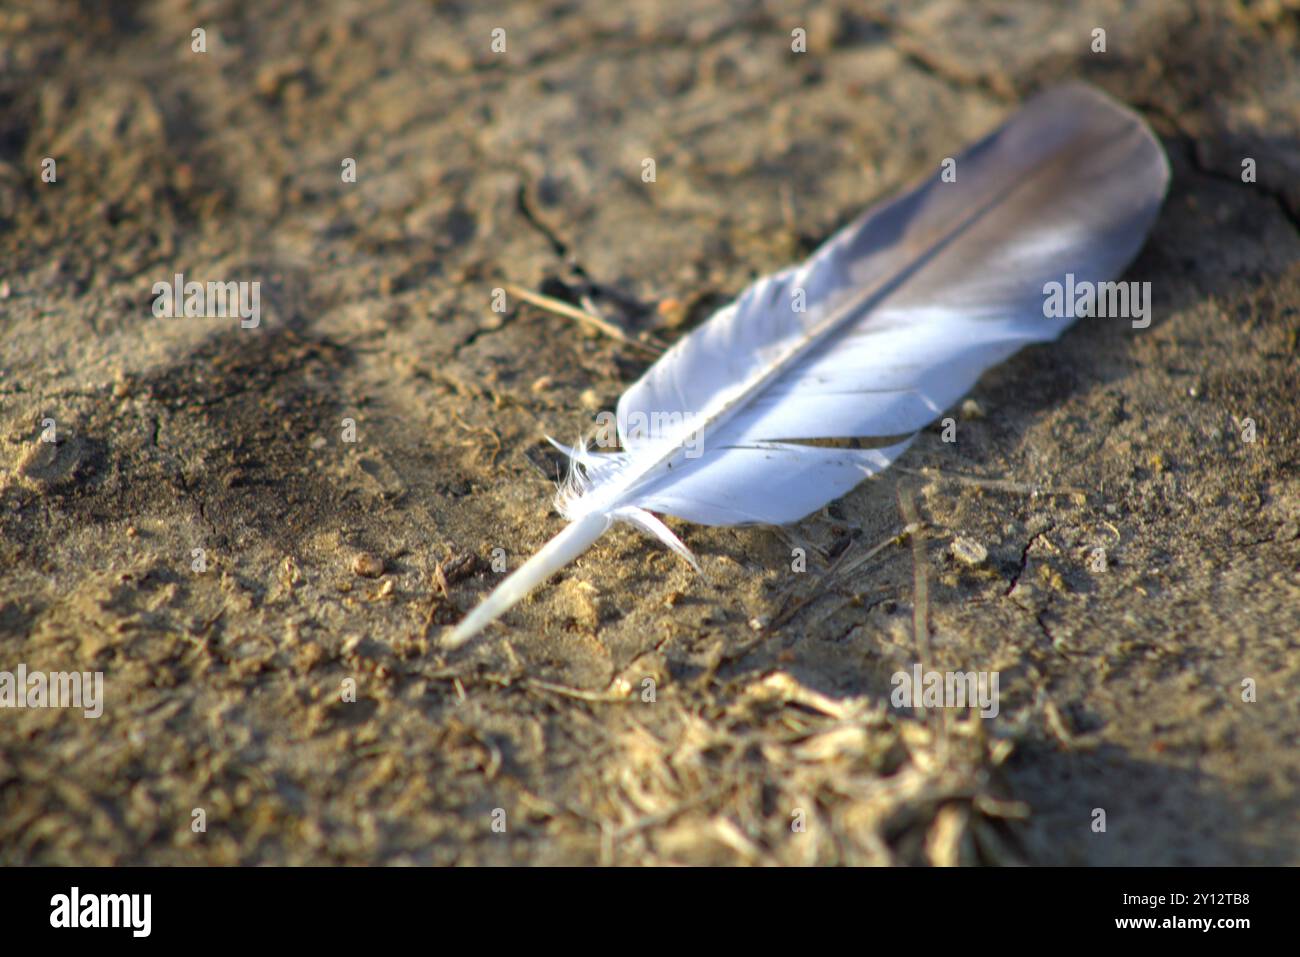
<point>226,680</point>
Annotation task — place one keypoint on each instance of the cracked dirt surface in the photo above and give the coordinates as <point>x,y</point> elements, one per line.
<point>1121,671</point>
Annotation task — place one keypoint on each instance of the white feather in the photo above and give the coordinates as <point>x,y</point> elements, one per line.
<point>903,310</point>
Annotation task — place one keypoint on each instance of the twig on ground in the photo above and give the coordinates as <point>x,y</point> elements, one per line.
<point>562,308</point>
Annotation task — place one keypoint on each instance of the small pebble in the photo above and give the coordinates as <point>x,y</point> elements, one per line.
<point>969,552</point>
<point>672,312</point>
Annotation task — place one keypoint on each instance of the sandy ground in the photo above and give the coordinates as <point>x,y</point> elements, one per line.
<point>630,712</point>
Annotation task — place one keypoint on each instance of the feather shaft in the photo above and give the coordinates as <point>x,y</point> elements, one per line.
<point>575,539</point>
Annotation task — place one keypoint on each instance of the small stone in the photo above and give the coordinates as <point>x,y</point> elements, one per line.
<point>367,565</point>
<point>288,571</point>
<point>672,312</point>
<point>968,551</point>
<point>362,646</point>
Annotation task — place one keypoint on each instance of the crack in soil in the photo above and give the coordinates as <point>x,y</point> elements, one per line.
<point>1024,559</point>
